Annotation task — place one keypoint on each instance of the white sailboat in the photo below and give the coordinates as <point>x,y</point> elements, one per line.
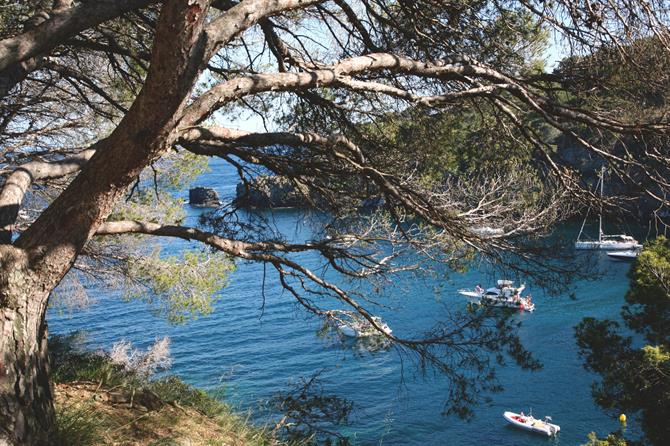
<point>605,241</point>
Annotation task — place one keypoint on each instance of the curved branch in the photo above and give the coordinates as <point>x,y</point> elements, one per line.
<point>229,91</point>
<point>16,185</point>
<point>62,26</point>
<point>248,251</point>
<point>459,68</point>
<point>243,15</point>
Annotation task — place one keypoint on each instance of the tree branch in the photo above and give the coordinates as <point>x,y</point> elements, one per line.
<point>61,26</point>
<point>16,185</point>
<point>243,15</point>
<point>56,30</point>
<point>249,251</point>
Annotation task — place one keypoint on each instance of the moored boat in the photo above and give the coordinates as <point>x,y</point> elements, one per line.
<point>529,423</point>
<point>353,325</point>
<point>606,242</point>
<point>504,294</point>
<point>609,243</point>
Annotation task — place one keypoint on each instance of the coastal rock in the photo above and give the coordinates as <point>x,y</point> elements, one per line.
<point>203,196</point>
<point>273,192</point>
<point>573,154</point>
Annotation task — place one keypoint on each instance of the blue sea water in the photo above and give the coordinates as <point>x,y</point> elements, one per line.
<point>253,351</point>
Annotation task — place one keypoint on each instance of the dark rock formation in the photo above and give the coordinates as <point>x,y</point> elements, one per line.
<point>273,192</point>
<point>638,204</point>
<point>203,196</point>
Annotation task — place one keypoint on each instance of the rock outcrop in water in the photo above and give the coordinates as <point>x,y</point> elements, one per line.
<point>274,192</point>
<point>203,196</point>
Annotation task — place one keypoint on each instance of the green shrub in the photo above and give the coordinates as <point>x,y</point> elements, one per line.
<point>171,389</point>
<point>78,425</point>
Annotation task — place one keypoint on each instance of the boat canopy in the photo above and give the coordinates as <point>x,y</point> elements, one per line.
<point>503,282</point>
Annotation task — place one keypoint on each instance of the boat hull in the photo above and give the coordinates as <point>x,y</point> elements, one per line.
<point>351,332</point>
<point>503,303</point>
<point>472,294</point>
<point>623,255</point>
<point>348,331</point>
<point>608,246</point>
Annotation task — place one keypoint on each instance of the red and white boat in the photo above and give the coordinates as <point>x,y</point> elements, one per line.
<point>529,423</point>
<point>504,294</point>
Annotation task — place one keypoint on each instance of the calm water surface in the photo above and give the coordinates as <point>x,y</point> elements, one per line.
<point>252,355</point>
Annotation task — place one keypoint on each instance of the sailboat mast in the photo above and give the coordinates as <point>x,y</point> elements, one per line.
<point>602,182</point>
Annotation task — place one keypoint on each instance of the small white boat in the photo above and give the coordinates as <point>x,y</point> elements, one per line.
<point>363,331</point>
<point>529,423</point>
<point>487,231</point>
<point>355,326</point>
<point>630,254</point>
<point>504,294</point>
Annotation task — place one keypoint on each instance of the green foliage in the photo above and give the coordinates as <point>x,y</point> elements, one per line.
<point>145,206</point>
<point>71,363</point>
<point>82,424</point>
<point>153,197</point>
<point>610,440</point>
<point>648,301</point>
<point>171,389</point>
<point>461,141</point>
<point>636,379</point>
<point>78,425</point>
<point>179,288</point>
<point>629,83</point>
<point>180,169</point>
<point>508,37</point>
<point>634,91</point>
<point>467,137</point>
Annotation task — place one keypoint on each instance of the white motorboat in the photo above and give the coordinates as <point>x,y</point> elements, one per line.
<point>353,325</point>
<point>504,294</point>
<point>529,423</point>
<point>630,254</point>
<point>607,242</point>
<point>487,231</point>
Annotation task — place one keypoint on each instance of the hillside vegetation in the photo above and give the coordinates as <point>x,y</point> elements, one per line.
<point>100,403</point>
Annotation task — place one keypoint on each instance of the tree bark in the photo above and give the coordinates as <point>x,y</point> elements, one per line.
<point>26,397</point>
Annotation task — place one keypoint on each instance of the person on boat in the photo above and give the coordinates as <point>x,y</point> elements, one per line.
<point>479,289</point>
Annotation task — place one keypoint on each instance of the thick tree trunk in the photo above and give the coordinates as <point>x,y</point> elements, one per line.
<point>43,254</point>
<point>26,402</point>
